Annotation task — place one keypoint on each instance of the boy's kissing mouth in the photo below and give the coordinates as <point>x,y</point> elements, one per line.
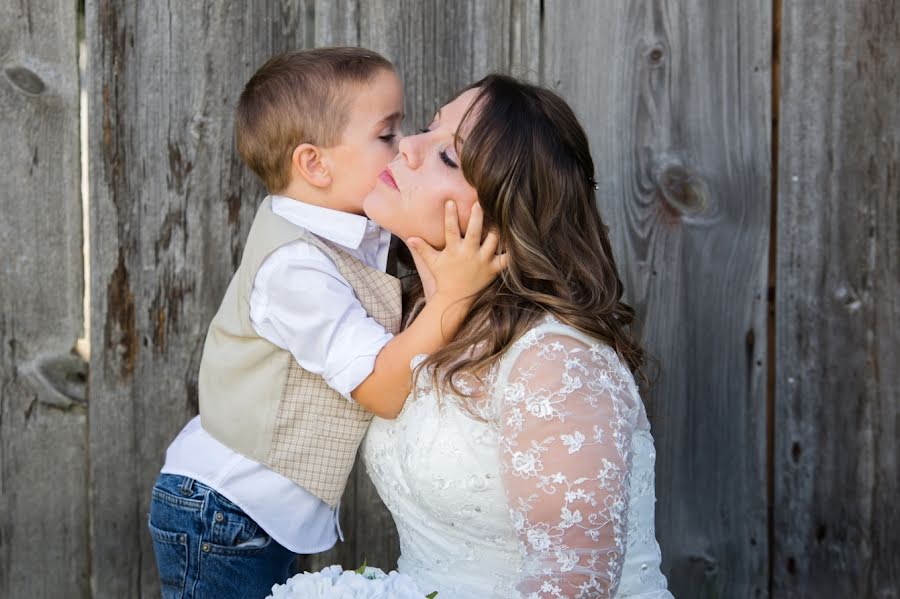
<point>388,179</point>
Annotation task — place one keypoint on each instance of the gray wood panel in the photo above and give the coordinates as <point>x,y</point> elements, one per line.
<point>675,97</point>
<point>440,47</point>
<point>437,48</point>
<point>837,449</point>
<point>171,205</point>
<point>43,412</point>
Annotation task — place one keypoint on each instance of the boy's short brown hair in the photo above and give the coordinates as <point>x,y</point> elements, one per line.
<point>298,97</point>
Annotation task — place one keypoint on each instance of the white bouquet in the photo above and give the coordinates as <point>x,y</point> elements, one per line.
<point>335,583</point>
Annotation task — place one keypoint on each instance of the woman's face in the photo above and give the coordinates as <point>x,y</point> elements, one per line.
<point>409,197</point>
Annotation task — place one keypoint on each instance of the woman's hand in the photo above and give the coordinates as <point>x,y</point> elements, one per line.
<point>465,266</point>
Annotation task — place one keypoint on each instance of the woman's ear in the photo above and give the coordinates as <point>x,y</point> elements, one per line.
<point>307,162</point>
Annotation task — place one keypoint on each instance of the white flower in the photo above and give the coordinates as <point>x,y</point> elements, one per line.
<point>539,539</point>
<point>524,463</point>
<point>514,392</point>
<point>573,442</point>
<point>335,583</point>
<point>539,406</point>
<point>567,560</point>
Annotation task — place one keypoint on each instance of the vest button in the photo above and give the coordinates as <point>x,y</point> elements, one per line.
<point>219,517</point>
<point>205,547</point>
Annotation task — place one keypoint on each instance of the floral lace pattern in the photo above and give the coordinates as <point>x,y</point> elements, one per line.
<point>568,409</point>
<point>538,485</point>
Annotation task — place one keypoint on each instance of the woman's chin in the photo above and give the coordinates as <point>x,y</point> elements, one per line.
<point>377,210</point>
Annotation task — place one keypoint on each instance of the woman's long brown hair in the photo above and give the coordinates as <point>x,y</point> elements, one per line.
<point>527,157</point>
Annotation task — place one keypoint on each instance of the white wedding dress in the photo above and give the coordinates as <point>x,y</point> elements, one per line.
<point>540,485</point>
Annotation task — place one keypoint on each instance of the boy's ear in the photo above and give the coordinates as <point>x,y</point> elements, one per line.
<point>308,162</point>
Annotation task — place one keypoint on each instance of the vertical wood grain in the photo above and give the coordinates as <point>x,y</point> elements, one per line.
<point>837,450</point>
<point>675,97</point>
<point>171,205</point>
<point>43,412</point>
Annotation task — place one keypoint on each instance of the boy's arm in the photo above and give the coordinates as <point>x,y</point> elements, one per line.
<point>385,390</point>
<point>462,269</point>
<point>301,303</point>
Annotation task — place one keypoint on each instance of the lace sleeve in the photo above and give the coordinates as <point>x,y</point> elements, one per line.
<point>567,410</point>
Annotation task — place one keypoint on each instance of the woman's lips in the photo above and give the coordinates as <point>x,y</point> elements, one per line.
<point>388,179</point>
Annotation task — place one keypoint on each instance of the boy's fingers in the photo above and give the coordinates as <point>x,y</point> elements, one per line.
<point>451,222</point>
<point>473,229</point>
<point>500,261</point>
<point>425,251</point>
<point>491,242</point>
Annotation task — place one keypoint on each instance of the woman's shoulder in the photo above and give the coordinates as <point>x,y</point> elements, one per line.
<point>549,329</point>
<point>556,360</point>
<point>550,336</point>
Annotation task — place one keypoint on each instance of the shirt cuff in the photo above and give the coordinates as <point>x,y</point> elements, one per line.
<point>358,369</point>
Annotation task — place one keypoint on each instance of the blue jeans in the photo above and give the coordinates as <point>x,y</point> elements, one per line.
<point>206,547</point>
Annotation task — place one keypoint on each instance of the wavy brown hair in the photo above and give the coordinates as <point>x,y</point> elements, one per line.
<point>527,157</point>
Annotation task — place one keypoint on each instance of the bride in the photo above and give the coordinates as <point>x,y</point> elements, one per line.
<point>522,463</point>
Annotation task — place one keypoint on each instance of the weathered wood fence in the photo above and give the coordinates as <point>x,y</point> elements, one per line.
<point>749,160</point>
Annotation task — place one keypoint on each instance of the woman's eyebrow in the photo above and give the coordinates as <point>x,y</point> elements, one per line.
<point>457,138</point>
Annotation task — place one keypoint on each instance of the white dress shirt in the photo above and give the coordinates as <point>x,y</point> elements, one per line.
<point>301,303</point>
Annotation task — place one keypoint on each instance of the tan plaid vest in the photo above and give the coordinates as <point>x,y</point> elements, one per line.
<point>258,401</point>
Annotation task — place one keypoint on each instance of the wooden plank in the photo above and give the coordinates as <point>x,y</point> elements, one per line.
<point>837,450</point>
<point>43,415</point>
<point>437,48</point>
<point>171,205</point>
<point>676,101</point>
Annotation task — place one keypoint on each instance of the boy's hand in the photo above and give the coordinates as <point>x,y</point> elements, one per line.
<point>466,265</point>
<point>463,268</point>
<point>425,275</point>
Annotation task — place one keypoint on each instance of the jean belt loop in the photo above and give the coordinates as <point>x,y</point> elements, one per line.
<point>187,486</point>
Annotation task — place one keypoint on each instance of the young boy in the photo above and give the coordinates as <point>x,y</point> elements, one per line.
<point>305,346</point>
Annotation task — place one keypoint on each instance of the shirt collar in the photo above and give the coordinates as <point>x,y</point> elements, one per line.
<point>343,228</point>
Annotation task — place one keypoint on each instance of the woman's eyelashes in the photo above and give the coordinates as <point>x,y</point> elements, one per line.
<point>388,138</point>
<point>445,158</point>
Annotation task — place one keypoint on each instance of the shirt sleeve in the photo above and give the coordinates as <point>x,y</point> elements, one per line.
<point>301,303</point>
<point>567,411</point>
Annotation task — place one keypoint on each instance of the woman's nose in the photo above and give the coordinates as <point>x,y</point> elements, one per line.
<point>409,150</point>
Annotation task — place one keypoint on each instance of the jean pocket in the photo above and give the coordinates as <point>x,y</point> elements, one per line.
<point>233,529</point>
<point>171,551</point>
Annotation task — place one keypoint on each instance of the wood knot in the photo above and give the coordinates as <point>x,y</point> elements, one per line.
<point>655,56</point>
<point>682,191</point>
<point>26,80</point>
<point>59,380</point>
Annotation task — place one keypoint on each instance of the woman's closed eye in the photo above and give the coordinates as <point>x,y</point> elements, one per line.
<point>447,160</point>
<point>388,138</point>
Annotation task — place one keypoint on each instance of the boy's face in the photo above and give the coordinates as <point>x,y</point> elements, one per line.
<point>369,140</point>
